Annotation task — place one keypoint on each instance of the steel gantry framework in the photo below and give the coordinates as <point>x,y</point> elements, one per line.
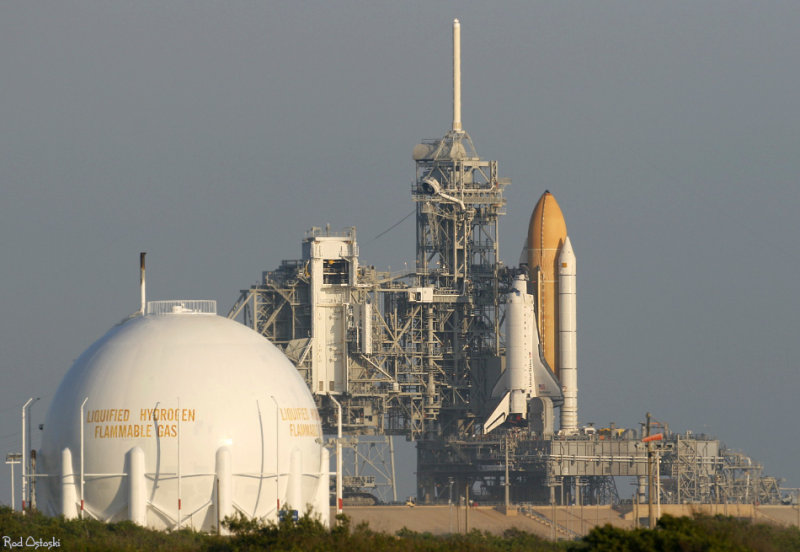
<point>459,200</point>
<point>582,470</point>
<point>412,354</point>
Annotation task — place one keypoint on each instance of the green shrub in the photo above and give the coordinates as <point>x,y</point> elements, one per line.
<point>684,534</point>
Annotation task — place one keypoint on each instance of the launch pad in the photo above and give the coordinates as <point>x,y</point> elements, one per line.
<point>585,470</point>
<point>431,354</point>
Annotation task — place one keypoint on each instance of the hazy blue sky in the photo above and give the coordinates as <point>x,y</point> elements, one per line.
<point>214,134</point>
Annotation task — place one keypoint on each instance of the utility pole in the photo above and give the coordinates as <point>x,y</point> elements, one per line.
<point>578,484</point>
<point>508,483</point>
<point>658,484</point>
<point>458,516</point>
<point>450,502</point>
<point>553,507</point>
<point>466,511</point>
<point>651,488</point>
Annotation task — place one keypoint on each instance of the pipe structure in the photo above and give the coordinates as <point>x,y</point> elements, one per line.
<point>178,439</point>
<point>11,461</point>
<point>277,460</point>
<point>507,482</point>
<point>83,473</point>
<point>224,477</point>
<point>67,485</point>
<point>338,455</point>
<point>391,458</point>
<point>143,307</point>
<point>137,487</point>
<point>437,189</point>
<point>323,485</point>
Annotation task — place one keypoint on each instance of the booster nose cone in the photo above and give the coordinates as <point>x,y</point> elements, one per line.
<point>546,234</point>
<point>566,259</point>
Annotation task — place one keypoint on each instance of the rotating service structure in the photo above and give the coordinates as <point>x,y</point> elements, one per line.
<point>178,417</point>
<point>415,353</point>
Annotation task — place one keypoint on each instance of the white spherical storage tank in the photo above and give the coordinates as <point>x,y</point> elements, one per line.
<point>178,418</point>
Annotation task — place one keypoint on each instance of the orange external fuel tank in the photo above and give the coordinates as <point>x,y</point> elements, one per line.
<point>546,234</point>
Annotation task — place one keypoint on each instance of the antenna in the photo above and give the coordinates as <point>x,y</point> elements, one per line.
<point>142,281</point>
<point>456,76</point>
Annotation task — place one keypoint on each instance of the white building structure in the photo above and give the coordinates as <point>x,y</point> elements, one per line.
<point>177,418</point>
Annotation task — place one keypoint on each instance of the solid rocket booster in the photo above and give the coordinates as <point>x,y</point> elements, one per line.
<point>546,234</point>
<point>567,338</point>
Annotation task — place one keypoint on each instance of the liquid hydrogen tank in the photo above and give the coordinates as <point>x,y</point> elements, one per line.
<point>178,418</point>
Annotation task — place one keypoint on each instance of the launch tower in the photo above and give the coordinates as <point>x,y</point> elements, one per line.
<point>459,199</point>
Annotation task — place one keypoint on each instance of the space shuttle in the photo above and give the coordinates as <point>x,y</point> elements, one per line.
<point>541,348</point>
<point>526,375</point>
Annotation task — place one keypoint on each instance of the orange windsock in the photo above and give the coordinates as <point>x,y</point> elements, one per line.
<point>656,437</point>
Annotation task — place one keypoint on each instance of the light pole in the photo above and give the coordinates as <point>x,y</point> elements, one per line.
<point>25,454</point>
<point>450,502</point>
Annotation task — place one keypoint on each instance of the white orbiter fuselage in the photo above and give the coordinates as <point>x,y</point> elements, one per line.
<point>526,374</point>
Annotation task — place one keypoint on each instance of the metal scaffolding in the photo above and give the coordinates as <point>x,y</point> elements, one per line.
<point>582,470</point>
<point>459,201</point>
<point>417,354</point>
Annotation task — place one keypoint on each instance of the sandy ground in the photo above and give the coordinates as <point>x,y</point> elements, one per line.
<point>571,521</point>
